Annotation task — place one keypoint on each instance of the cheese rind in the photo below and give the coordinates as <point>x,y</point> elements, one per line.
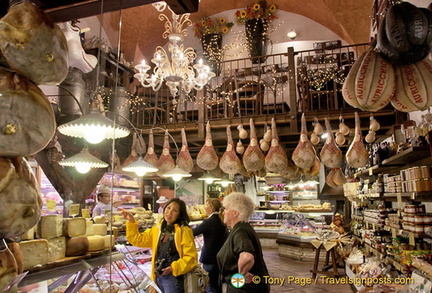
<point>77,246</point>
<point>74,227</point>
<point>34,253</point>
<point>89,228</point>
<point>100,229</point>
<point>50,226</point>
<point>29,235</point>
<point>57,248</point>
<point>109,241</point>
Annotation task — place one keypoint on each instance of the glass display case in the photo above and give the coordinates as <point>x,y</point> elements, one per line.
<point>302,226</point>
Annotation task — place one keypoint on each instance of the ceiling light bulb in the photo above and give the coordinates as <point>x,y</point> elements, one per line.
<point>224,184</point>
<point>82,168</point>
<point>176,177</point>
<point>94,134</point>
<point>140,173</point>
<point>209,180</point>
<point>292,34</point>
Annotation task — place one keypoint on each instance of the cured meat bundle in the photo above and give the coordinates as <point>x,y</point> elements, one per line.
<point>330,155</point>
<point>357,155</point>
<point>151,156</point>
<point>304,155</point>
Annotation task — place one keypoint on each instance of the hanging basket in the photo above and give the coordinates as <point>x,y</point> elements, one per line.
<point>212,51</point>
<point>256,36</point>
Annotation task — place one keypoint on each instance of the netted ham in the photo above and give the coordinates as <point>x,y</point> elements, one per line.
<point>314,170</point>
<point>133,156</point>
<point>357,155</point>
<point>166,161</point>
<point>207,158</point>
<point>151,156</point>
<point>304,154</point>
<point>291,172</point>
<point>33,45</point>
<point>20,197</point>
<point>335,178</point>
<point>276,160</point>
<point>330,155</point>
<point>229,162</point>
<point>184,160</point>
<point>253,158</point>
<point>26,116</point>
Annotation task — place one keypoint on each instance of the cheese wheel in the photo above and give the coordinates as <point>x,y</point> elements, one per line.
<point>100,229</point>
<point>89,228</point>
<point>96,242</point>
<point>77,246</point>
<point>50,226</point>
<point>34,253</point>
<point>109,241</point>
<point>56,248</point>
<point>74,227</point>
<point>100,220</point>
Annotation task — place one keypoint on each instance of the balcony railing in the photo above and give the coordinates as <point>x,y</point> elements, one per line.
<point>284,84</point>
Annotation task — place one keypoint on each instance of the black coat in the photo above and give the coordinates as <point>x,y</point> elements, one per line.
<point>215,233</point>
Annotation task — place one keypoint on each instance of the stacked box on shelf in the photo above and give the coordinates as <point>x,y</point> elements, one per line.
<point>416,179</point>
<point>392,184</point>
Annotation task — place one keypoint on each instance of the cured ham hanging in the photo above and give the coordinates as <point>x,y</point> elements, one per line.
<point>151,156</point>
<point>357,155</point>
<point>253,158</point>
<point>229,162</point>
<point>166,161</point>
<point>184,160</point>
<point>276,160</point>
<point>331,155</point>
<point>304,155</point>
<point>207,158</point>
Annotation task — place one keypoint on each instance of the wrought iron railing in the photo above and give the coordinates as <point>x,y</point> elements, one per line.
<point>284,84</point>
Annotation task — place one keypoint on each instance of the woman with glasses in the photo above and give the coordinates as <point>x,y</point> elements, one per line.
<point>241,252</point>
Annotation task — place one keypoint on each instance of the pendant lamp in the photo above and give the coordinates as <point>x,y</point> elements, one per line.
<point>83,161</point>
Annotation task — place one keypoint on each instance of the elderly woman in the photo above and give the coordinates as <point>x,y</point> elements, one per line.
<point>241,252</point>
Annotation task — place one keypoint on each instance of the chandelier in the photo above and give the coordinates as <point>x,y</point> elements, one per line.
<point>175,67</point>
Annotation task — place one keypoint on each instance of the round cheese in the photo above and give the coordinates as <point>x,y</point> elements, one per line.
<point>96,243</point>
<point>100,229</point>
<point>77,246</point>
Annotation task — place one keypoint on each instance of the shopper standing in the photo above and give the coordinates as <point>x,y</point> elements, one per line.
<point>241,252</point>
<point>173,249</point>
<point>214,233</point>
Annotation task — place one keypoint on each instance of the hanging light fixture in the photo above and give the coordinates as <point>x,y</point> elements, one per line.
<point>208,178</point>
<point>83,161</point>
<point>175,66</point>
<point>177,174</point>
<point>94,127</point>
<point>292,34</point>
<point>140,167</point>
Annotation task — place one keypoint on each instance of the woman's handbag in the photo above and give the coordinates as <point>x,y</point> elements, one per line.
<point>196,280</point>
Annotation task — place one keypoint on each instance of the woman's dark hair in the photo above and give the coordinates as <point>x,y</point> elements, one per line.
<point>183,218</point>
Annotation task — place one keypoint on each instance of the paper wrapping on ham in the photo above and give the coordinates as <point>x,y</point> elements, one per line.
<point>133,156</point>
<point>207,158</point>
<point>304,154</point>
<point>184,160</point>
<point>229,162</point>
<point>33,45</point>
<point>20,197</point>
<point>166,161</point>
<point>253,158</point>
<point>26,116</point>
<point>276,160</point>
<point>8,270</point>
<point>357,155</point>
<point>331,155</point>
<point>151,156</point>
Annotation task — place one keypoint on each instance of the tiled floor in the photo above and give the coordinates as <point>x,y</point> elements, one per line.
<point>288,269</point>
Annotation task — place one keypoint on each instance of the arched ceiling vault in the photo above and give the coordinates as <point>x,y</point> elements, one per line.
<point>142,30</point>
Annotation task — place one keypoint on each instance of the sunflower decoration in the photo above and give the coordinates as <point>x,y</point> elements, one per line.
<point>209,25</point>
<point>259,10</point>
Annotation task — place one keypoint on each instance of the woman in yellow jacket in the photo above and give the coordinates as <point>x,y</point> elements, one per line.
<point>172,243</point>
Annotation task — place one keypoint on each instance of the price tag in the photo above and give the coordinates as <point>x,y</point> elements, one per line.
<point>411,239</point>
<point>399,200</point>
<point>393,232</point>
<point>74,210</point>
<point>51,205</point>
<point>85,213</point>
<point>370,171</point>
